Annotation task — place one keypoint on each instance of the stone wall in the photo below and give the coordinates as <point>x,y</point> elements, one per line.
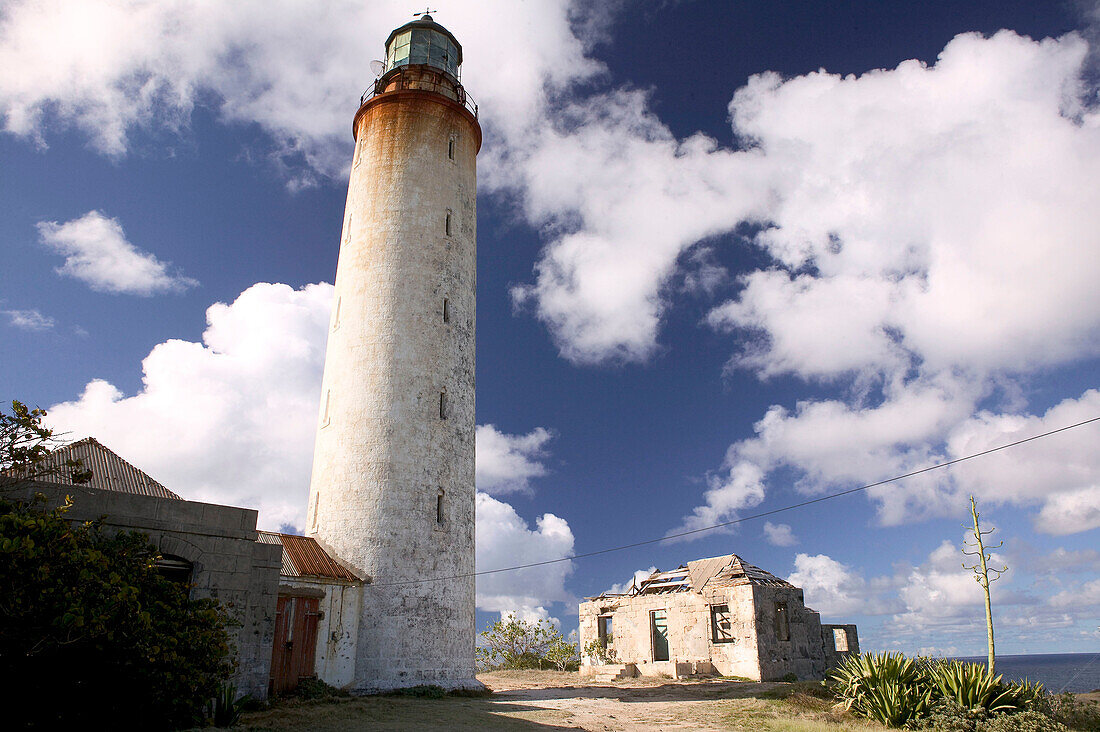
<point>802,654</point>
<point>834,656</point>
<point>219,542</point>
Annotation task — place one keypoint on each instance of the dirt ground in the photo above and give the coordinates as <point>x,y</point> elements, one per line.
<point>548,700</point>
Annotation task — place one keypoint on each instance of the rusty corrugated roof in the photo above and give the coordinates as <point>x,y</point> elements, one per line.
<point>304,557</point>
<point>109,471</point>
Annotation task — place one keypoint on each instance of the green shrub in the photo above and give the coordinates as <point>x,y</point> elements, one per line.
<point>887,687</point>
<point>423,691</point>
<point>118,643</point>
<point>973,686</point>
<point>1025,721</point>
<point>1075,713</point>
<point>226,708</point>
<point>314,688</point>
<point>945,715</point>
<point>789,678</point>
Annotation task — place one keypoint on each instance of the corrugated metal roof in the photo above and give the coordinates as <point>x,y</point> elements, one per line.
<point>304,557</point>
<point>109,471</point>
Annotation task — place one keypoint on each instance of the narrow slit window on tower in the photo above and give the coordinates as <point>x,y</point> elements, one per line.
<point>440,508</point>
<point>324,414</point>
<point>446,311</point>
<point>316,505</point>
<point>447,225</point>
<point>347,229</point>
<point>443,405</point>
<point>451,148</point>
<point>336,315</point>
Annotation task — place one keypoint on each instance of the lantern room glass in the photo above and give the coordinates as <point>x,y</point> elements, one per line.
<point>423,46</point>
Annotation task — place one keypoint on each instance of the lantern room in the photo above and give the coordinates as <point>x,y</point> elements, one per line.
<point>423,42</point>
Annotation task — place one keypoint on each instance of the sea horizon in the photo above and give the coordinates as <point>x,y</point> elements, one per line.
<point>1058,672</point>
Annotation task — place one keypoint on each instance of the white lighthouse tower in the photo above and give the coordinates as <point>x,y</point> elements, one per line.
<point>392,491</point>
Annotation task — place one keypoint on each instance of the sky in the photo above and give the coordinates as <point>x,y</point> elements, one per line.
<point>731,256</point>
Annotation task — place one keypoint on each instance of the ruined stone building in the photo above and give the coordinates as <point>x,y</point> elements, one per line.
<point>720,615</point>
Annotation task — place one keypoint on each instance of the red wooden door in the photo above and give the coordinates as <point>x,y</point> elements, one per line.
<point>295,646</point>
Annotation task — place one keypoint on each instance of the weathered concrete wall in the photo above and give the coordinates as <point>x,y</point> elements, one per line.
<point>834,656</point>
<point>337,629</point>
<point>802,654</point>
<point>220,543</point>
<point>384,452</point>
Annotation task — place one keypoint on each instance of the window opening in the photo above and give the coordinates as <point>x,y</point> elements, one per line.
<point>840,640</point>
<point>316,504</point>
<point>446,311</point>
<point>440,514</point>
<point>443,405</point>
<point>175,569</point>
<point>659,629</point>
<point>451,148</point>
<point>782,622</point>
<point>324,414</point>
<point>336,314</point>
<point>447,225</point>
<point>721,626</point>
<point>603,629</point>
<point>347,229</point>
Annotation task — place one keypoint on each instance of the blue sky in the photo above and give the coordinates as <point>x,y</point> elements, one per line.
<point>731,256</point>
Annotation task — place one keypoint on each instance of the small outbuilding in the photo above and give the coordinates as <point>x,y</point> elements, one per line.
<point>719,616</point>
<point>316,615</point>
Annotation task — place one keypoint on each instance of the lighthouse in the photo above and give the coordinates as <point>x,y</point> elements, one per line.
<point>392,488</point>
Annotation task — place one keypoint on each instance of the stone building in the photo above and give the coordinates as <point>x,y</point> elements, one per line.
<point>720,615</point>
<point>392,490</point>
<point>211,547</point>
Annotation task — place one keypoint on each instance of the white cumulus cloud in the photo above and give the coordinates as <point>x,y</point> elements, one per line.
<point>779,534</point>
<point>97,253</point>
<point>505,539</point>
<point>507,463</point>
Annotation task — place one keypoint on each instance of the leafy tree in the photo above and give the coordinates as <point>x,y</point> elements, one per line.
<point>25,447</point>
<point>91,632</point>
<point>511,643</point>
<point>561,653</point>
<point>91,635</point>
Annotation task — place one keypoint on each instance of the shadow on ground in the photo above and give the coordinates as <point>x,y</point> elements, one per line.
<point>398,713</point>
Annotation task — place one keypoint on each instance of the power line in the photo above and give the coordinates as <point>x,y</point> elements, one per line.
<point>742,519</point>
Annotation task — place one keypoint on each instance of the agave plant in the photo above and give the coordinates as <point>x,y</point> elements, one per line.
<point>973,686</point>
<point>226,708</point>
<point>887,687</point>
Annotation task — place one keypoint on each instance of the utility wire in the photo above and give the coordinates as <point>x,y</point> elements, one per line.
<point>742,519</point>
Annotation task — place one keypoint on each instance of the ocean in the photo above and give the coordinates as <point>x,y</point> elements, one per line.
<point>1059,672</point>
